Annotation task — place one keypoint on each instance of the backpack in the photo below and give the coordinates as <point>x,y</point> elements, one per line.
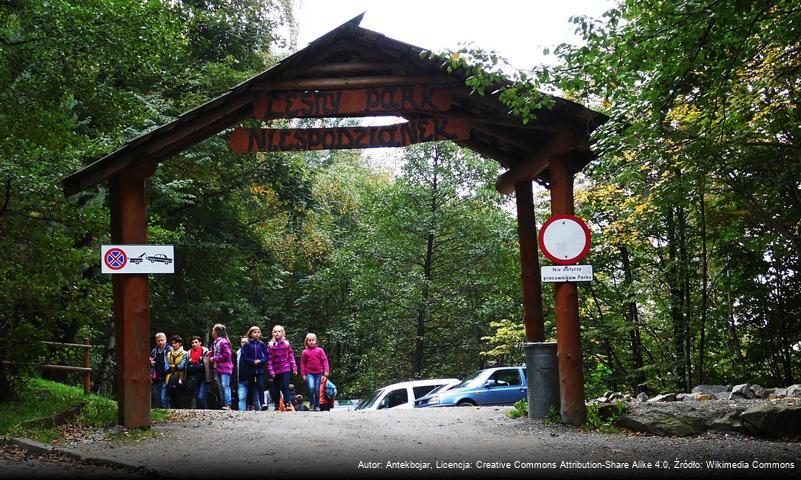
<point>330,390</point>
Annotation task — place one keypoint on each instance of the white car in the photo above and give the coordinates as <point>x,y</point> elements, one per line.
<point>402,395</point>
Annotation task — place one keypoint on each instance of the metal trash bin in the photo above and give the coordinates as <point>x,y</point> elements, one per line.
<point>542,375</point>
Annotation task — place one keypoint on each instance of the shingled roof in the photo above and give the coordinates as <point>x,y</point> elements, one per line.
<point>350,53</point>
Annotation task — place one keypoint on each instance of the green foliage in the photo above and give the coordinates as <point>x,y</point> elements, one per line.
<point>519,409</point>
<point>79,79</point>
<point>595,421</point>
<point>553,417</point>
<point>597,382</point>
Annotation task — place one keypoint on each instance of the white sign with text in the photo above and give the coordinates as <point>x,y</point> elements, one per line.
<point>137,259</point>
<point>566,273</point>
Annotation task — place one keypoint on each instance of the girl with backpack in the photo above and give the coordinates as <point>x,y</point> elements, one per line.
<point>281,364</point>
<point>223,363</point>
<point>313,367</point>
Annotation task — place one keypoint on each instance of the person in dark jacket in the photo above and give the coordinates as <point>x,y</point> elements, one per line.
<point>196,371</point>
<point>254,366</point>
<point>159,366</point>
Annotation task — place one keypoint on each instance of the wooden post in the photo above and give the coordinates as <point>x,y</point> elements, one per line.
<point>533,318</point>
<point>131,301</point>
<point>87,363</point>
<point>568,333</point>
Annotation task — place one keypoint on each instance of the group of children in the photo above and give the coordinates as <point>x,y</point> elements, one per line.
<point>172,368</point>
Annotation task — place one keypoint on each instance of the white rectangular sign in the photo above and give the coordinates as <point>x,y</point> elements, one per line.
<point>566,273</point>
<point>137,259</point>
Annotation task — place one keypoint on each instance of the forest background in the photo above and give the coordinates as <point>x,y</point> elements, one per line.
<point>694,200</point>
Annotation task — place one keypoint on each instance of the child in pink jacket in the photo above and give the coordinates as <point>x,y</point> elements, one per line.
<point>313,366</point>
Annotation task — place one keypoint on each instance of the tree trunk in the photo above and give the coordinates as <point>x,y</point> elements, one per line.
<point>676,303</point>
<point>704,284</point>
<point>684,273</point>
<point>633,319</point>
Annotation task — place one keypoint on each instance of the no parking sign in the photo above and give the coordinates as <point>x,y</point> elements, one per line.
<point>137,259</point>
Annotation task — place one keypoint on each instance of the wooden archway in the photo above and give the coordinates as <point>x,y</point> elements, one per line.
<point>355,72</point>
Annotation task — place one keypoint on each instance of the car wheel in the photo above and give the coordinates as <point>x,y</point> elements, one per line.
<point>466,403</point>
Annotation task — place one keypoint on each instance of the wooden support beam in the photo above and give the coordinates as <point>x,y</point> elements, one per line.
<point>489,151</point>
<point>131,303</point>
<point>538,162</point>
<point>533,317</point>
<point>350,82</point>
<point>568,332</point>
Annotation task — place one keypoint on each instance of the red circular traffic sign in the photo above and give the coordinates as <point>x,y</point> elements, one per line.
<point>565,239</point>
<point>115,258</point>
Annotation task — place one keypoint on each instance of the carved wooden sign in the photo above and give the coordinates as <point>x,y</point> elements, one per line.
<point>347,103</point>
<point>398,135</point>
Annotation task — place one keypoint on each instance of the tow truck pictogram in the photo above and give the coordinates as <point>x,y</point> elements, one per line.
<point>137,260</point>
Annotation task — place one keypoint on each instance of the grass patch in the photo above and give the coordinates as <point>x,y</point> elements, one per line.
<point>43,398</point>
<point>604,421</point>
<point>520,409</point>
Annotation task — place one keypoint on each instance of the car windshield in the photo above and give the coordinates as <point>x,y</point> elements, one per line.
<point>439,389</point>
<point>369,401</point>
<point>471,380</point>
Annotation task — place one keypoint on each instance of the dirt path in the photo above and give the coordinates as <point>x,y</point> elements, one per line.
<point>432,442</point>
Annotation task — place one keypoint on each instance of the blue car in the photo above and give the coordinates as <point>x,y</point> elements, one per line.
<point>492,386</point>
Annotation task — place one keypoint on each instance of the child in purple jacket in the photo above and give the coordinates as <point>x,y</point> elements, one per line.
<point>281,364</point>
<point>313,366</point>
<point>221,355</point>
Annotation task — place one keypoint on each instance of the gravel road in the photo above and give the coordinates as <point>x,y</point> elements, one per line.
<point>446,442</point>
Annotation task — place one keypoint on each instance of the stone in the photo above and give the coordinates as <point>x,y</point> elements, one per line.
<point>627,398</point>
<point>742,391</point>
<point>665,397</point>
<point>778,393</point>
<point>615,396</point>
<point>710,389</point>
<point>680,397</point>
<point>661,423</point>
<point>729,423</point>
<point>642,397</point>
<point>794,390</point>
<point>721,396</point>
<point>772,420</point>
<point>698,397</point>
<point>759,392</point>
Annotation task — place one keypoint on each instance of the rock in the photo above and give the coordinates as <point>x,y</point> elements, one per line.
<point>698,397</point>
<point>778,393</point>
<point>773,420</point>
<point>794,390</point>
<point>118,430</point>
<point>710,389</point>
<point>680,397</point>
<point>613,397</point>
<point>665,397</point>
<point>627,398</point>
<point>661,423</point>
<point>642,397</point>
<point>741,391</point>
<point>721,396</point>
<point>729,423</point>
<point>759,392</point>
